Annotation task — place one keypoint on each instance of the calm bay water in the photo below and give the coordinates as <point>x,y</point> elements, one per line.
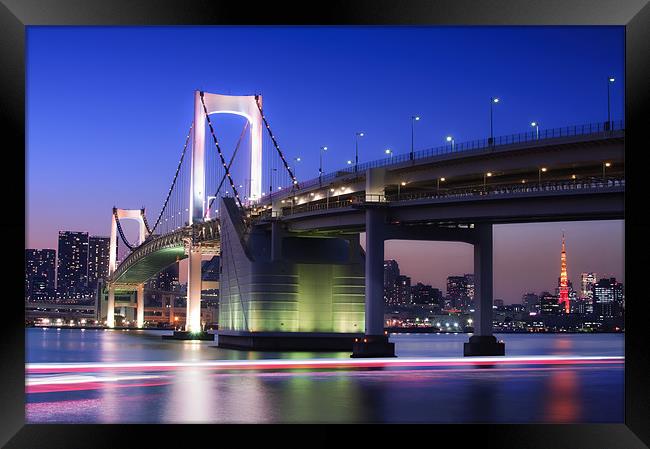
<point>547,392</point>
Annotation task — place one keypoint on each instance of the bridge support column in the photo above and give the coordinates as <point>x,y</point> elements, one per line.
<point>276,240</point>
<point>483,342</point>
<point>375,343</point>
<point>193,316</point>
<point>110,312</point>
<point>140,307</point>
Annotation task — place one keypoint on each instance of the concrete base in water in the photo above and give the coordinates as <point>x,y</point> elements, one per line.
<point>484,345</point>
<point>183,335</point>
<point>373,346</point>
<point>287,341</point>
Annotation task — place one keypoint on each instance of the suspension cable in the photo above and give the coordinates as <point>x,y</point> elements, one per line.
<point>223,178</point>
<point>119,228</point>
<point>223,160</point>
<point>169,194</point>
<point>275,143</point>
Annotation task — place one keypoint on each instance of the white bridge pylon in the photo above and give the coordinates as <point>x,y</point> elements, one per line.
<point>247,107</point>
<point>242,105</point>
<point>124,214</point>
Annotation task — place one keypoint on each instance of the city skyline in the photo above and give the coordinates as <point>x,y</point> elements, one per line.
<point>446,76</point>
<point>423,274</point>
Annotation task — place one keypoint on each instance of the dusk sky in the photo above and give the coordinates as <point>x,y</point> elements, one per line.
<point>108,110</point>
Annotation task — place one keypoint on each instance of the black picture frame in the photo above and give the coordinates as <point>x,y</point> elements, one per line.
<point>15,15</point>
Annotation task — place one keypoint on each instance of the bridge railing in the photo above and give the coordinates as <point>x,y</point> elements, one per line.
<point>600,128</point>
<point>465,192</point>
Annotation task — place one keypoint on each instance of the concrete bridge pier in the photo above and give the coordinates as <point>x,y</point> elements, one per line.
<point>193,316</point>
<point>483,342</point>
<point>375,342</point>
<point>110,312</point>
<point>140,306</point>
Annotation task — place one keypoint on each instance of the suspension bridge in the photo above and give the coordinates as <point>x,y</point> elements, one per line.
<point>294,274</point>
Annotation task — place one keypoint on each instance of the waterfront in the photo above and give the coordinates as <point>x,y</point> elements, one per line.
<point>456,390</point>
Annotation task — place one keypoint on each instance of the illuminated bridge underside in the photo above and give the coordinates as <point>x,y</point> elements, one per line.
<point>148,266</point>
<point>159,252</point>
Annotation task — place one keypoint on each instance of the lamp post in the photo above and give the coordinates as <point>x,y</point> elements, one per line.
<point>414,118</point>
<point>536,126</point>
<point>606,165</point>
<point>320,167</point>
<point>389,152</point>
<point>539,176</point>
<point>450,139</point>
<point>356,150</point>
<point>493,101</point>
<point>485,176</point>
<point>295,172</point>
<point>610,80</point>
<point>438,185</point>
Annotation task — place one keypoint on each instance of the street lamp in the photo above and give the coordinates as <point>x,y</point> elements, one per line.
<point>451,140</point>
<point>414,118</point>
<point>493,101</point>
<point>610,80</point>
<point>389,152</point>
<point>539,176</point>
<point>438,184</point>
<point>320,167</point>
<point>356,150</point>
<point>606,165</point>
<point>349,162</point>
<point>536,126</point>
<point>485,176</point>
<point>295,172</point>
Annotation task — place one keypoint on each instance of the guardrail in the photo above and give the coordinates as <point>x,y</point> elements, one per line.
<point>464,192</point>
<point>600,128</point>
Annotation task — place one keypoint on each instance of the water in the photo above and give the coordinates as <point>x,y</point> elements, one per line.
<point>454,392</point>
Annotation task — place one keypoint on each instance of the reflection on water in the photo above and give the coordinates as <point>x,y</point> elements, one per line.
<point>520,393</point>
<point>564,397</point>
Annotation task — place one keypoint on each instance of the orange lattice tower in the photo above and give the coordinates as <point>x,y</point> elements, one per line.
<point>564,283</point>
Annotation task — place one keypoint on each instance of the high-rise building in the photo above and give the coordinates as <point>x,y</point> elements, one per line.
<point>39,274</point>
<point>460,291</point>
<point>549,304</point>
<point>530,302</point>
<point>72,263</point>
<point>391,272</point>
<point>402,290</point>
<point>563,282</point>
<point>98,257</point>
<point>608,298</point>
<point>425,294</point>
<point>587,281</point>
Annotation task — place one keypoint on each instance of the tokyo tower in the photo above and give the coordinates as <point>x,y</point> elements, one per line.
<point>564,287</point>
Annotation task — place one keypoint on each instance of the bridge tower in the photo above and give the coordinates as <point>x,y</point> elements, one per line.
<point>247,107</point>
<point>124,214</point>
